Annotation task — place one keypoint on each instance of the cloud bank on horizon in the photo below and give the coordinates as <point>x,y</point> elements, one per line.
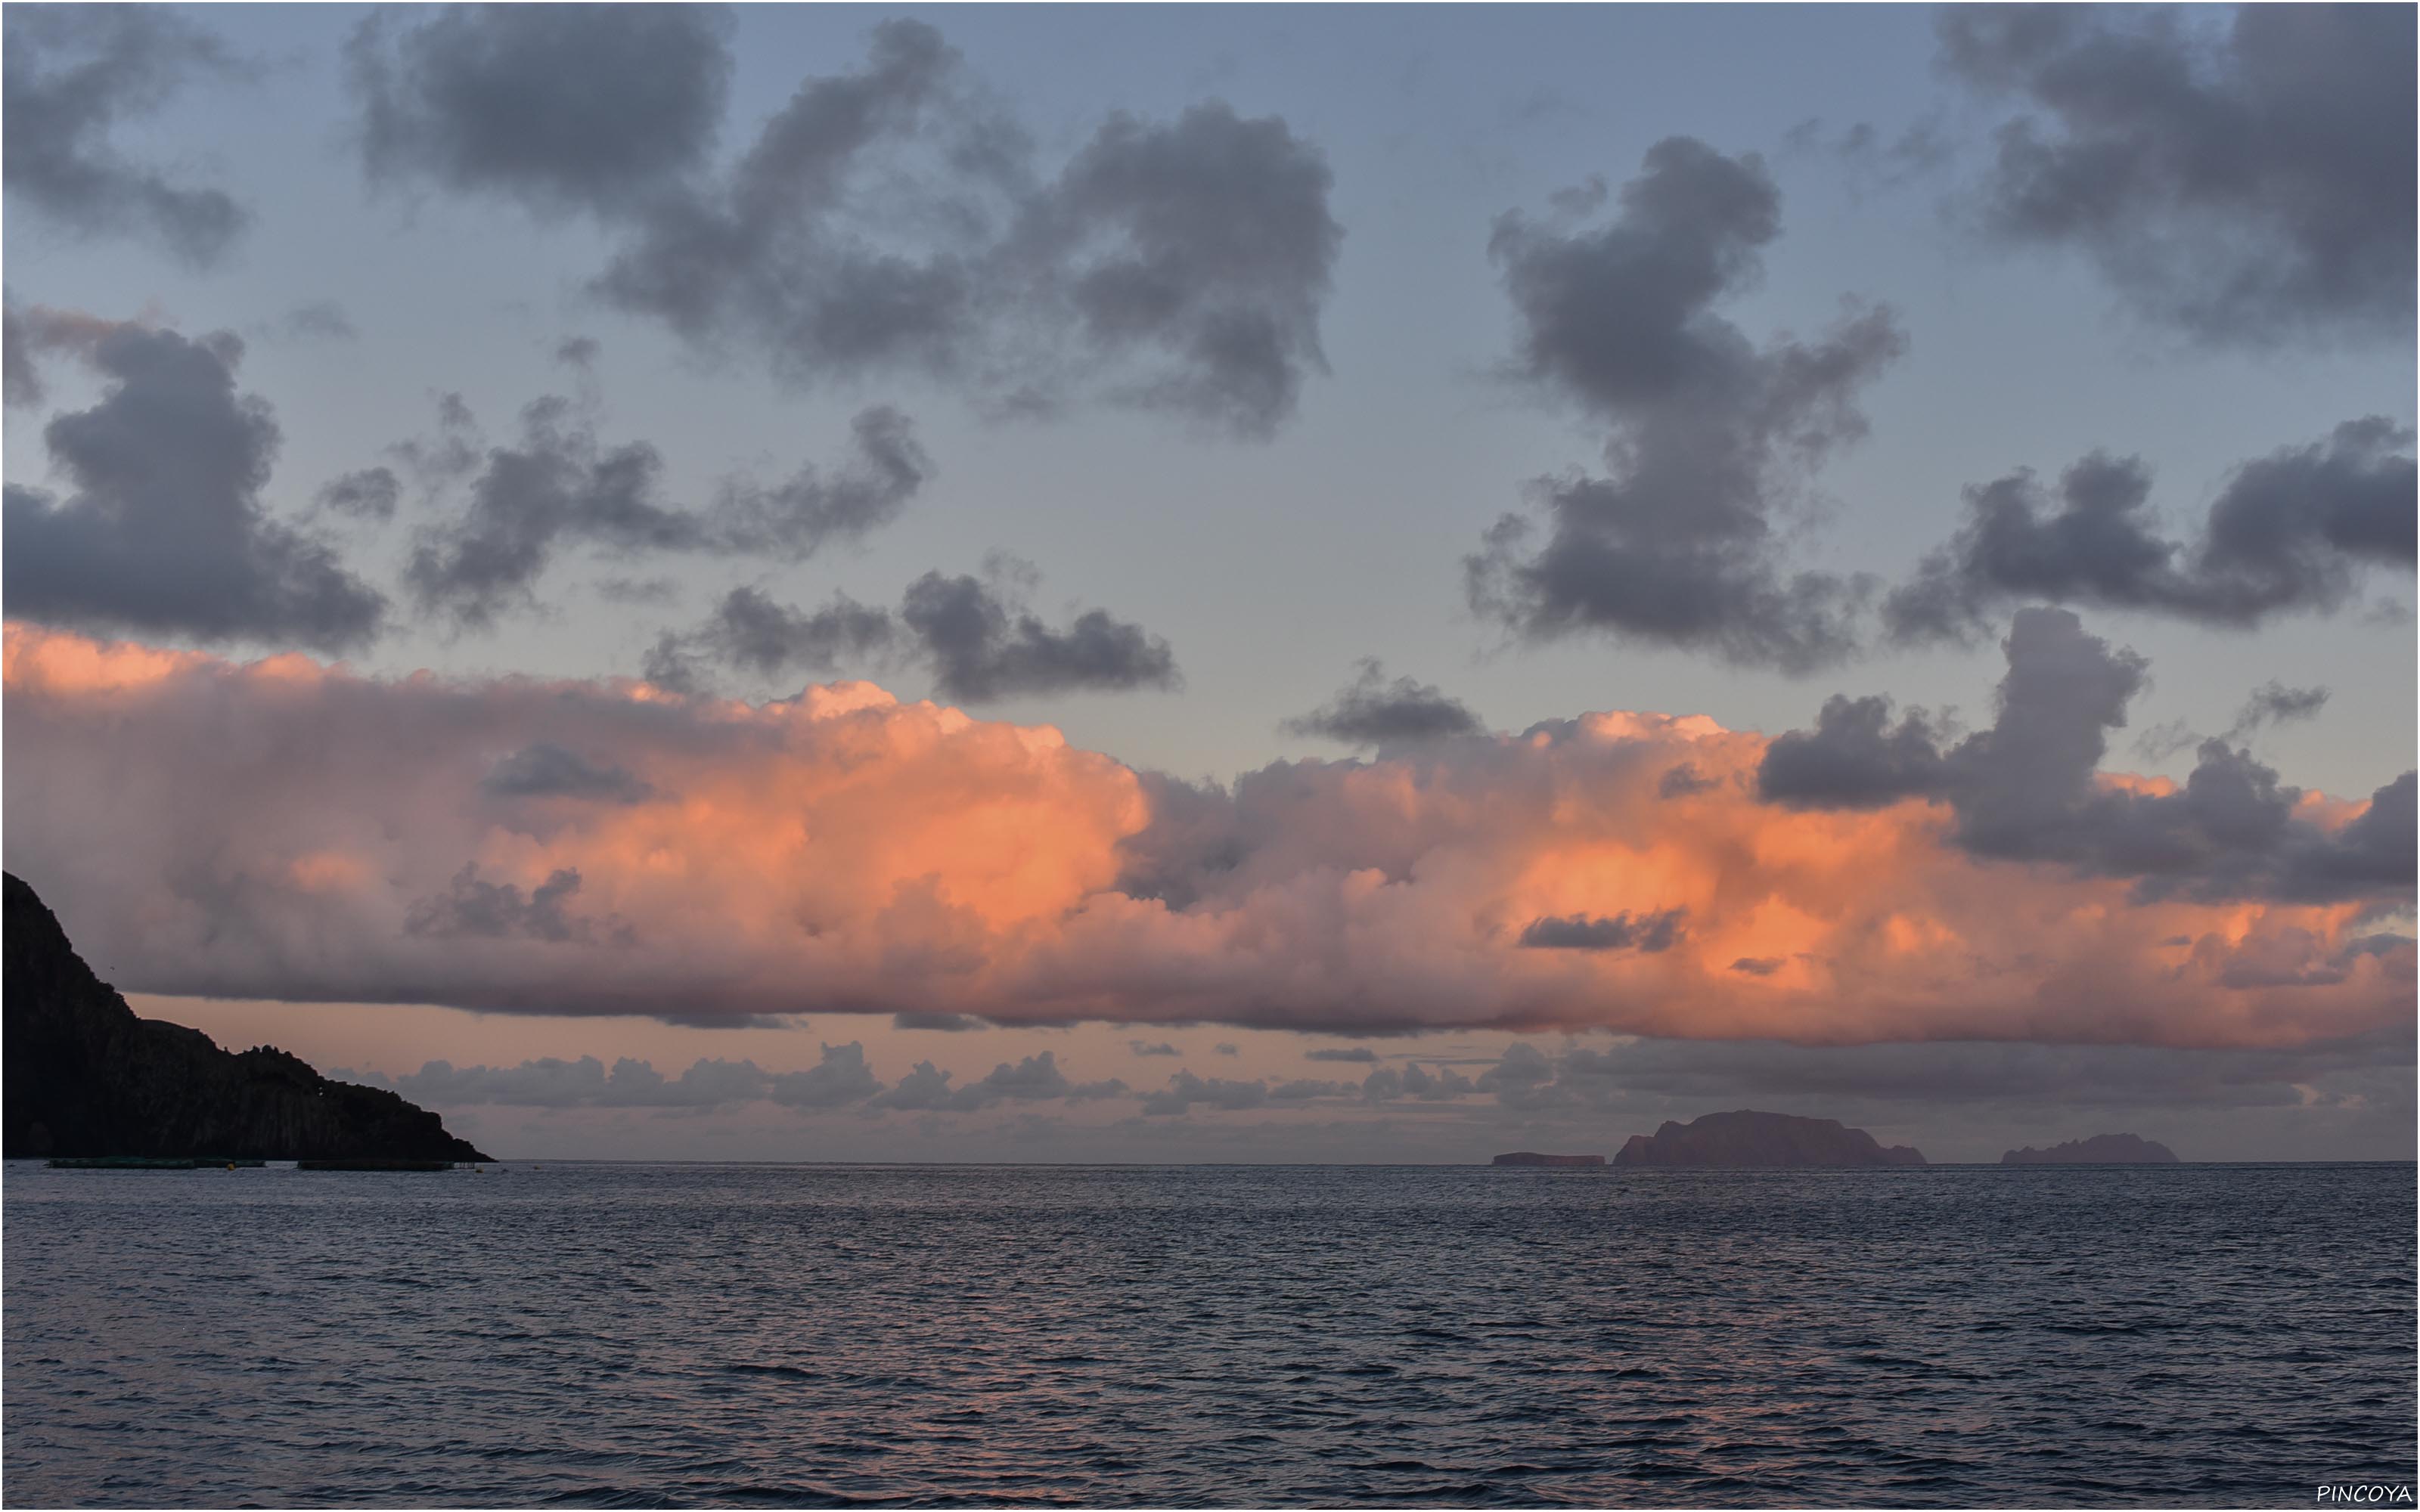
<point>612,847</point>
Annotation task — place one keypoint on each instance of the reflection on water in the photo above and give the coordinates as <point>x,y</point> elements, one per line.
<point>705,1334</point>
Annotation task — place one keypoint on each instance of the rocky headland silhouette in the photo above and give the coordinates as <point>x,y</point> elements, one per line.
<point>1748,1139</point>
<point>85,1076</point>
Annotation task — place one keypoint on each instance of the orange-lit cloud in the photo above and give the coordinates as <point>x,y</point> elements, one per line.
<point>288,830</point>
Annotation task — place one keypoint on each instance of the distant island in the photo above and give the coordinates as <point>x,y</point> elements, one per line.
<point>2100,1149</point>
<point>1762,1139</point>
<point>86,1077</point>
<point>1531,1157</point>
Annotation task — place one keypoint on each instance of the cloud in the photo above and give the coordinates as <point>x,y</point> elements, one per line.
<point>559,108</point>
<point>73,74</point>
<point>1144,1048</point>
<point>1370,711</point>
<point>314,320</point>
<point>976,635</point>
<point>366,494</point>
<point>584,1083</point>
<point>1713,441</point>
<point>1360,1052</point>
<point>2273,703</point>
<point>2245,184</point>
<point>840,1078</point>
<point>548,771</point>
<point>839,852</point>
<point>1647,932</point>
<point>984,645</point>
<point>888,221</point>
<point>165,531</point>
<point>2289,533</point>
<point>2030,788</point>
<point>562,485</point>
<point>1185,1090</point>
<point>940,1022</point>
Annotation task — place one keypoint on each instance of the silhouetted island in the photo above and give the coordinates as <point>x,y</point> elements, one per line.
<point>85,1076</point>
<point>2100,1149</point>
<point>1531,1157</point>
<point>1751,1139</point>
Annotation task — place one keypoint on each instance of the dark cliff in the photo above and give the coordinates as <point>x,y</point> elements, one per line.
<point>85,1076</point>
<point>1753,1140</point>
<point>2100,1149</point>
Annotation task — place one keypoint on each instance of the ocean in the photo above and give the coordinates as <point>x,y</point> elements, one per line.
<point>768,1335</point>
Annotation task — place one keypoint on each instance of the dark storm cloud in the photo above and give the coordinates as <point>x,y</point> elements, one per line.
<point>886,220</point>
<point>1713,440</point>
<point>2290,532</point>
<point>2245,184</point>
<point>73,73</point>
<point>562,485</point>
<point>2026,788</point>
<point>546,770</point>
<point>1360,1054</point>
<point>165,531</point>
<point>1372,711</point>
<point>493,910</point>
<point>1649,932</point>
<point>569,107</point>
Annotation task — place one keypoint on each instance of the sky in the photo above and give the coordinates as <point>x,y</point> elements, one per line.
<point>1205,583</point>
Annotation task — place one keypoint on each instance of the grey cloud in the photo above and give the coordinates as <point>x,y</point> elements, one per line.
<point>582,1082</point>
<point>2243,186</point>
<point>1853,759</point>
<point>984,645</point>
<point>1713,440</point>
<point>165,531</point>
<point>546,770</point>
<point>2290,532</point>
<point>2273,703</point>
<point>2025,789</point>
<point>1648,932</point>
<point>841,1077</point>
<point>1758,965</point>
<point>1035,1079</point>
<point>749,631</point>
<point>923,1090</point>
<point>1361,1053</point>
<point>1443,1085</point>
<point>598,108</point>
<point>562,485</point>
<point>1142,1047</point>
<point>892,219</point>
<point>1308,1089</point>
<point>1683,781</point>
<point>1185,1090</point>
<point>491,910</point>
<point>1227,1049</point>
<point>73,73</point>
<point>1372,711</point>
<point>369,494</point>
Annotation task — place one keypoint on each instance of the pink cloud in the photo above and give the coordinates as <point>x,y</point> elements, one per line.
<point>291,830</point>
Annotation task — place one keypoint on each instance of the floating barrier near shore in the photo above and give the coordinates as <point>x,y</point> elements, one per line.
<point>148,1162</point>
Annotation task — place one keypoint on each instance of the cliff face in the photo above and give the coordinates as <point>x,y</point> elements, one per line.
<point>2100,1149</point>
<point>1761,1139</point>
<point>85,1076</point>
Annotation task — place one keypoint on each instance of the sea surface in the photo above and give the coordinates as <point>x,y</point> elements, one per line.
<point>765,1335</point>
